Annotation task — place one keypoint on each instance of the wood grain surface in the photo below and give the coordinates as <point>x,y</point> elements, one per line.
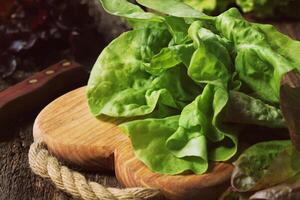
<point>132,173</point>
<point>73,134</point>
<point>17,182</point>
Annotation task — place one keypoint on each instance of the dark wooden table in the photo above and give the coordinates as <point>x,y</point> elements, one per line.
<point>16,179</point>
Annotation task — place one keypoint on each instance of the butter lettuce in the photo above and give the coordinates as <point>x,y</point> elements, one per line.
<point>187,81</point>
<point>258,62</point>
<point>126,97</point>
<point>150,146</point>
<point>200,127</point>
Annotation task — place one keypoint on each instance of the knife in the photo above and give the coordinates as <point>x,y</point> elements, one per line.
<point>37,91</point>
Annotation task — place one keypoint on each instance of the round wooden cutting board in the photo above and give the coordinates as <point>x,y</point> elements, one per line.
<point>74,135</point>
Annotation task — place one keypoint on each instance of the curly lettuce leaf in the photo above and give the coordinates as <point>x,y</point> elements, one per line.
<point>258,62</point>
<point>178,27</point>
<point>127,96</point>
<point>199,128</point>
<point>149,146</point>
<point>196,66</point>
<point>211,61</point>
<point>110,95</point>
<point>170,57</point>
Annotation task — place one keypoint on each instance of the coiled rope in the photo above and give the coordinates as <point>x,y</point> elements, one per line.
<point>45,165</point>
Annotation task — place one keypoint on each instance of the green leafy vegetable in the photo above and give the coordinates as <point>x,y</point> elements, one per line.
<point>172,7</point>
<point>198,128</point>
<point>258,63</point>
<point>169,57</point>
<point>265,164</point>
<point>189,79</point>
<point>209,6</point>
<point>248,110</point>
<point>178,28</point>
<point>126,96</point>
<point>150,146</point>
<point>211,61</point>
<point>126,9</point>
<point>283,44</point>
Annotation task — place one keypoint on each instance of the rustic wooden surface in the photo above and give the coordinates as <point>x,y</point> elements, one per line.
<point>72,133</point>
<point>16,179</point>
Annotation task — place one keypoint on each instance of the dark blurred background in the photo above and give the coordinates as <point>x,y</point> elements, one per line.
<point>37,33</point>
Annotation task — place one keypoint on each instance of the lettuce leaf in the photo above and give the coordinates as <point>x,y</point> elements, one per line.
<point>258,62</point>
<point>187,82</point>
<point>211,61</point>
<point>265,164</point>
<point>209,6</point>
<point>150,146</point>
<point>123,8</point>
<point>248,110</point>
<point>172,8</point>
<point>200,127</point>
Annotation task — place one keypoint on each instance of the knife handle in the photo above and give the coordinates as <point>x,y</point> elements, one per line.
<point>40,89</point>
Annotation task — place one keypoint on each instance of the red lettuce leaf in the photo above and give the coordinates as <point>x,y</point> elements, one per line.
<point>290,104</point>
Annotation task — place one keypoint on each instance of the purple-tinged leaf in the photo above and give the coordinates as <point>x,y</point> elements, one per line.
<point>290,104</point>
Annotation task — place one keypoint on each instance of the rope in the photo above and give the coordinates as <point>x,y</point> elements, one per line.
<point>74,183</point>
